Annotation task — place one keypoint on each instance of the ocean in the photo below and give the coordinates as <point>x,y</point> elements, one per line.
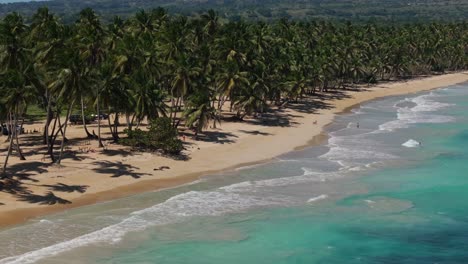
<point>389,186</point>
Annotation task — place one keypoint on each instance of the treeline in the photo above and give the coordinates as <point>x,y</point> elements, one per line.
<point>154,65</point>
<point>395,11</point>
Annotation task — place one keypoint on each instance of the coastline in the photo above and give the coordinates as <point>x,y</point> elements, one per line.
<point>259,144</point>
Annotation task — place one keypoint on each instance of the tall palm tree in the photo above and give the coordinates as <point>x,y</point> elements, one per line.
<point>68,87</point>
<point>90,39</point>
<point>18,93</point>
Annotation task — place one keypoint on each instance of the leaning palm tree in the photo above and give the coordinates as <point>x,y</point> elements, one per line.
<point>17,93</point>
<point>230,82</point>
<point>199,111</point>
<point>14,67</point>
<point>67,88</point>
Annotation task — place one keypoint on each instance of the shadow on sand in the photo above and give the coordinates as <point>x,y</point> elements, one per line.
<point>118,169</point>
<point>61,187</point>
<point>48,199</point>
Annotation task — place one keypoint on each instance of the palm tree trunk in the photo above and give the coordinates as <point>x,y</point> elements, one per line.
<point>138,123</point>
<point>60,129</point>
<point>50,115</point>
<point>18,148</point>
<point>112,129</point>
<point>9,150</point>
<point>132,121</point>
<point>88,135</point>
<point>127,118</point>
<point>50,146</point>
<point>175,112</point>
<point>172,109</point>
<point>99,122</point>
<point>64,131</point>
<point>116,127</point>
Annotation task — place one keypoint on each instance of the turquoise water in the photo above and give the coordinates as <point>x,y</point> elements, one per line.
<point>372,194</point>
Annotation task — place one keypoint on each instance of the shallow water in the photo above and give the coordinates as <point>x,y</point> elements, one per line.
<point>369,195</point>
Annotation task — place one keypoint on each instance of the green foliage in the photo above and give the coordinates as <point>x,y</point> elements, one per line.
<point>161,135</point>
<point>358,10</point>
<point>35,113</point>
<point>189,70</point>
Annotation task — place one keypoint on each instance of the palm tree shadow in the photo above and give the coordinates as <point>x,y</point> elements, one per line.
<point>309,105</point>
<point>24,171</point>
<point>118,169</point>
<point>48,199</point>
<point>255,132</point>
<point>61,187</point>
<point>75,155</point>
<point>12,187</point>
<point>116,152</point>
<point>217,137</point>
<point>272,118</point>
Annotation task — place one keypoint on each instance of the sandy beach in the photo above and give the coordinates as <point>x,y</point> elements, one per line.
<point>93,177</point>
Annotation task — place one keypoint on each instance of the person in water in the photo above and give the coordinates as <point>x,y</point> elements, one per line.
<point>357,125</point>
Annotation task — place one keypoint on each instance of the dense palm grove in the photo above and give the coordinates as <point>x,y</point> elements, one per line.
<point>155,66</point>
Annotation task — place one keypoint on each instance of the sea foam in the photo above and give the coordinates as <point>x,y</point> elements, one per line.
<point>317,198</point>
<point>175,209</point>
<point>411,144</point>
<point>420,113</point>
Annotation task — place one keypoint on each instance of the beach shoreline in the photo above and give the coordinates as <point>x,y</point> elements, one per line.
<point>259,144</point>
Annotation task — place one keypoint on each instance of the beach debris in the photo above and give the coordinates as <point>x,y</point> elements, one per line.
<point>161,168</point>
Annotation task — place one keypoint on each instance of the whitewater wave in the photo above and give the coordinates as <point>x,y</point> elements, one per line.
<point>317,198</point>
<point>411,143</point>
<point>419,114</point>
<point>355,151</point>
<point>175,209</point>
<point>308,176</point>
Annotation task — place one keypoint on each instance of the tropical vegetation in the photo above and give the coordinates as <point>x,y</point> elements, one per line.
<point>163,70</point>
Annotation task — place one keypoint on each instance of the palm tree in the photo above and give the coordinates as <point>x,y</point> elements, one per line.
<point>113,93</point>
<point>148,97</point>
<point>211,21</point>
<point>199,111</point>
<point>14,67</point>
<point>182,80</point>
<point>90,37</point>
<point>230,81</point>
<point>18,92</point>
<point>48,33</point>
<point>68,87</point>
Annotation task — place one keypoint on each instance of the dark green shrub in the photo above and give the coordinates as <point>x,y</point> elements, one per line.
<point>161,135</point>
